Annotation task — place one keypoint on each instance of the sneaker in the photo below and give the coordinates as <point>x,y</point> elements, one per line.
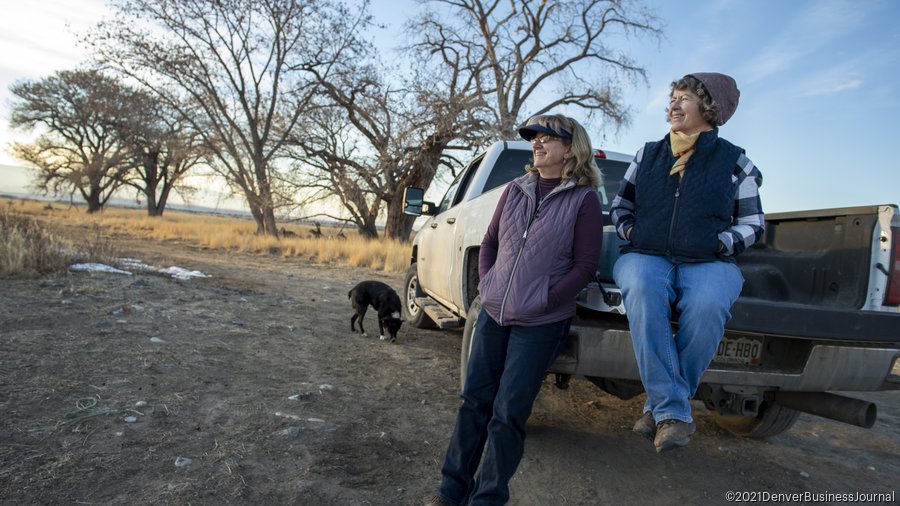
<point>436,500</point>
<point>671,434</point>
<point>646,426</point>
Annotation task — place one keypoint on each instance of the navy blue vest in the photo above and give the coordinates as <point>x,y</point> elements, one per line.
<point>682,218</point>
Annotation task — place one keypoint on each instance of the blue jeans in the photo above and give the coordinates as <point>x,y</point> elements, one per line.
<point>507,365</point>
<point>671,365</point>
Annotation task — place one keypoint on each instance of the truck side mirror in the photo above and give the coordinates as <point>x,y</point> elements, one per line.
<point>414,202</point>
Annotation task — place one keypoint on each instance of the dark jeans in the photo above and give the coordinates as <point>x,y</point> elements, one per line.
<point>507,365</point>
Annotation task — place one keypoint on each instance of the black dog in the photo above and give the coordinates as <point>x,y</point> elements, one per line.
<point>381,297</point>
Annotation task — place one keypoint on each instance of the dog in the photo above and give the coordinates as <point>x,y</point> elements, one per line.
<point>385,301</point>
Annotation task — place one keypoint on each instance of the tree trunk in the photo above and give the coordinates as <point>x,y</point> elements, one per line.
<point>151,165</point>
<point>398,225</point>
<point>93,197</point>
<point>160,206</point>
<point>150,193</point>
<point>368,230</point>
<point>270,227</point>
<point>93,203</point>
<point>257,214</point>
<point>263,213</point>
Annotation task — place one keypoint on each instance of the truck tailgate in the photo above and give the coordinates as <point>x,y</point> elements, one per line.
<point>811,321</point>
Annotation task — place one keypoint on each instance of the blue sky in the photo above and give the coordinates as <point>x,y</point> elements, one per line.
<point>819,80</point>
<point>820,92</point>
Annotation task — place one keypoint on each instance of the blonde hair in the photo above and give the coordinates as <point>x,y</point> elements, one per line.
<point>581,165</point>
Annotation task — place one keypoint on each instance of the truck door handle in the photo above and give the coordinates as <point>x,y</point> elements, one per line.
<point>451,220</point>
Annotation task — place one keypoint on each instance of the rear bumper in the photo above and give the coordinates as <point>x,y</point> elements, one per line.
<point>607,353</point>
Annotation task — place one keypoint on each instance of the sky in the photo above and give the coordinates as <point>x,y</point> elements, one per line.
<point>819,81</point>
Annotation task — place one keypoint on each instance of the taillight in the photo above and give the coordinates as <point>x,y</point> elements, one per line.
<point>892,298</point>
<point>599,153</point>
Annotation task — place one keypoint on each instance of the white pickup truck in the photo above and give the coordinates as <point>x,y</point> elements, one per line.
<point>819,311</point>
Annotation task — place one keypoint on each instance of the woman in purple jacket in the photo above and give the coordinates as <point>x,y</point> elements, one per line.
<point>540,250</point>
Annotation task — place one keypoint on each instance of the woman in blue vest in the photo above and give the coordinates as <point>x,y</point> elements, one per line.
<point>541,248</point>
<point>687,206</point>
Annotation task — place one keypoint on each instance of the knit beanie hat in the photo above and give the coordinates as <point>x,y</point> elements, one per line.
<point>723,90</point>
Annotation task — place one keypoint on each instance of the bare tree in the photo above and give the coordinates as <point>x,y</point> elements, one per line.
<point>163,147</point>
<point>329,165</point>
<point>244,66</point>
<point>476,70</point>
<point>534,56</point>
<point>81,148</point>
<point>372,137</point>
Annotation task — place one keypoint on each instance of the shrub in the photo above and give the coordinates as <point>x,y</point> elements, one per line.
<point>28,245</point>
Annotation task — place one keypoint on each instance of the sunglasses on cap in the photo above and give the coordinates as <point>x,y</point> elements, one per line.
<point>529,132</point>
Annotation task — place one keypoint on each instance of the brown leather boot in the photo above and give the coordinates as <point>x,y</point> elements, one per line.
<point>671,434</point>
<point>646,426</point>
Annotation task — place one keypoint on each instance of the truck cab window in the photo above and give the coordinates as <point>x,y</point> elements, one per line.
<point>613,173</point>
<point>510,165</point>
<point>458,187</point>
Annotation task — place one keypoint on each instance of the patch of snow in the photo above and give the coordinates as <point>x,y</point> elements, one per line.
<point>287,415</point>
<point>180,273</point>
<point>92,267</point>
<point>137,265</point>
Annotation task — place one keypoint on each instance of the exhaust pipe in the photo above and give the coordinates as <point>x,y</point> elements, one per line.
<point>836,407</point>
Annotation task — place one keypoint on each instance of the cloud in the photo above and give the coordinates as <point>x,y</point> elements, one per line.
<point>831,89</point>
<point>828,77</point>
<point>29,58</point>
<point>38,37</point>
<point>808,31</point>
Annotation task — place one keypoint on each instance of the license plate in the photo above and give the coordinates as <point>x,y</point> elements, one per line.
<point>740,350</point>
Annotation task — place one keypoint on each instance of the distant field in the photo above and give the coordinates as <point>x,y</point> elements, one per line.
<point>332,246</point>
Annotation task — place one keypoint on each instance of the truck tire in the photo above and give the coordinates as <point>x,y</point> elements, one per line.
<point>411,312</point>
<point>467,339</point>
<point>771,421</point>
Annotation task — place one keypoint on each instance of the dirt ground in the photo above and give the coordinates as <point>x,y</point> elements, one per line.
<point>247,387</point>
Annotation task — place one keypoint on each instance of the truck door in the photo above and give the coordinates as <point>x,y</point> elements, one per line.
<point>438,260</point>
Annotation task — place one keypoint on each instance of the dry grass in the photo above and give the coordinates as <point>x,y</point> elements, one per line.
<point>28,245</point>
<point>225,233</point>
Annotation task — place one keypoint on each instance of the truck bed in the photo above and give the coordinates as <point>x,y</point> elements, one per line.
<point>807,278</point>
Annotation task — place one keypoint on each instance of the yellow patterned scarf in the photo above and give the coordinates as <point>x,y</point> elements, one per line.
<point>682,147</point>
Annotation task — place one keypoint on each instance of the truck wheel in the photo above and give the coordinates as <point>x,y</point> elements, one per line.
<point>412,312</point>
<point>771,421</point>
<point>467,339</point>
